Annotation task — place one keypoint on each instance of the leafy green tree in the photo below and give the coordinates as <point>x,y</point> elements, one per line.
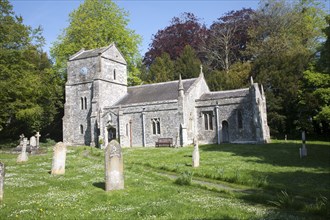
<point>30,95</point>
<point>187,64</point>
<point>284,39</point>
<point>97,24</point>
<point>315,95</point>
<point>162,69</point>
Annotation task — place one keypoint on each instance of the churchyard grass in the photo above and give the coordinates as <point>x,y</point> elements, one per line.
<point>258,182</point>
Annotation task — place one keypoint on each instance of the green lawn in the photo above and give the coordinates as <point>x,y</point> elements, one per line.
<point>233,182</point>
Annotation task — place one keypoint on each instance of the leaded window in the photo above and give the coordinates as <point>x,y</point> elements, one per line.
<point>155,122</point>
<point>208,120</point>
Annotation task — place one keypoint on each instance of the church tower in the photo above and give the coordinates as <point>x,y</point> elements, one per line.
<point>96,79</point>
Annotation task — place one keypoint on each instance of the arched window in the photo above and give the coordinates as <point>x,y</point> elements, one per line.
<point>82,103</point>
<point>85,103</point>
<point>81,129</point>
<point>114,74</point>
<point>208,120</point>
<point>155,125</point>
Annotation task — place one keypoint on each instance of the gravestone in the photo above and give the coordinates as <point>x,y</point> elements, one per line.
<point>38,138</point>
<point>59,157</point>
<point>22,157</point>
<point>195,156</point>
<point>33,141</point>
<point>303,150</point>
<point>114,167</point>
<point>2,179</point>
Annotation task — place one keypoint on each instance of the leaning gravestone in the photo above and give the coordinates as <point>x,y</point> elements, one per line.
<point>114,168</point>
<point>195,156</point>
<point>59,157</point>
<point>2,179</point>
<point>22,157</point>
<point>33,141</point>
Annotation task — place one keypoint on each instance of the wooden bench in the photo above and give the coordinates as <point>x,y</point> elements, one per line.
<point>164,142</point>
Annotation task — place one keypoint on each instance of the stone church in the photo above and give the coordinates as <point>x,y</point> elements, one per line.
<point>99,106</point>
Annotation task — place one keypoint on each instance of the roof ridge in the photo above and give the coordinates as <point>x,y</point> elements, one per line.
<point>226,91</point>
<point>161,83</point>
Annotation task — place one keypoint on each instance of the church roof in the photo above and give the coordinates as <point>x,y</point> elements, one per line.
<point>154,92</point>
<point>225,94</point>
<point>89,53</point>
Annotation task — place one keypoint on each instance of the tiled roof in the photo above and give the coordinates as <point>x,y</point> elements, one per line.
<point>225,94</point>
<point>88,53</point>
<point>154,92</point>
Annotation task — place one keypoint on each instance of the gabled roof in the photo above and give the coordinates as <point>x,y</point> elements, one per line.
<point>89,53</point>
<point>154,92</point>
<point>225,94</point>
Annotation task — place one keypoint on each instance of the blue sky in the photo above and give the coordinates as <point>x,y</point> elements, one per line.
<point>146,17</point>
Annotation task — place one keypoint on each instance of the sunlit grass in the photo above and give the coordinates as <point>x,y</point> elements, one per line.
<point>266,170</point>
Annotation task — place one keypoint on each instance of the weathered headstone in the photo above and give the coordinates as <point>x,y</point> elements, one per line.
<point>114,167</point>
<point>22,157</point>
<point>33,141</point>
<point>38,138</point>
<point>59,157</point>
<point>303,150</point>
<point>2,179</point>
<point>195,156</point>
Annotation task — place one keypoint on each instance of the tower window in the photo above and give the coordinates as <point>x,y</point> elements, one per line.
<point>114,74</point>
<point>155,125</point>
<point>81,129</point>
<point>82,103</point>
<point>85,102</point>
<point>208,120</point>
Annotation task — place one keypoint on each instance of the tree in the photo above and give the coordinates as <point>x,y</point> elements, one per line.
<point>162,69</point>
<point>96,24</point>
<point>284,40</point>
<point>315,94</point>
<point>186,30</point>
<point>30,92</point>
<point>187,64</point>
<point>228,38</point>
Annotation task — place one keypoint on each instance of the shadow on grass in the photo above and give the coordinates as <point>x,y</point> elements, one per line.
<point>100,185</point>
<point>280,154</point>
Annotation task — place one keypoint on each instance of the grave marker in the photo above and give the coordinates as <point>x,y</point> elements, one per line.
<point>22,157</point>
<point>38,138</point>
<point>2,179</point>
<point>195,156</point>
<point>33,141</point>
<point>114,167</point>
<point>59,157</point>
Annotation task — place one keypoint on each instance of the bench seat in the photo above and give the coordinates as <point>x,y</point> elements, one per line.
<point>164,142</point>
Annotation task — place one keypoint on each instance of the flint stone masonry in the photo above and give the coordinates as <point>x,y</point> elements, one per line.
<point>114,167</point>
<point>23,157</point>
<point>100,107</point>
<point>59,157</point>
<point>2,180</point>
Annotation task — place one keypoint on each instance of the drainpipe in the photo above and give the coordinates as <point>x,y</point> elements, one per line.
<point>143,129</point>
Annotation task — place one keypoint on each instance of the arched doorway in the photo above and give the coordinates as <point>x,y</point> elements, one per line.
<point>225,132</point>
<point>111,133</point>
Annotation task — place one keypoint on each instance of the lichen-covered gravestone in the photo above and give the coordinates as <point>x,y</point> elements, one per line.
<point>22,157</point>
<point>114,167</point>
<point>2,179</point>
<point>195,156</point>
<point>59,157</point>
<point>33,141</point>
